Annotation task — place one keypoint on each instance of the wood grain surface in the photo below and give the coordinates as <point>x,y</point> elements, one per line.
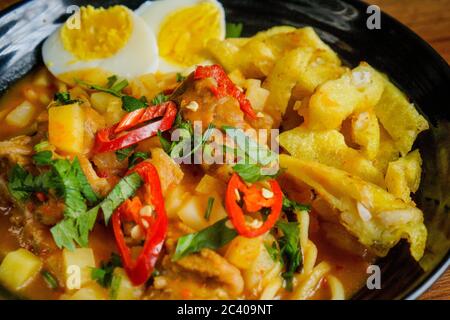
<point>430,19</point>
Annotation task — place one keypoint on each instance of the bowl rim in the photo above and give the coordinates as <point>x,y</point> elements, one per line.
<point>424,283</point>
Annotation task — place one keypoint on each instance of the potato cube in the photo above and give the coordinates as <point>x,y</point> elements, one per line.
<point>209,184</point>
<point>22,115</point>
<point>169,171</point>
<point>192,212</point>
<point>255,94</point>
<point>174,199</point>
<point>18,268</point>
<point>100,101</point>
<point>82,258</point>
<point>66,127</point>
<point>243,251</point>
<point>93,291</point>
<point>126,289</point>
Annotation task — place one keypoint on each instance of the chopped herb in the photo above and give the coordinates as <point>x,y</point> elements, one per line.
<point>50,280</point>
<point>166,145</point>
<point>273,250</point>
<point>290,250</point>
<point>209,208</point>
<point>234,30</point>
<point>19,189</point>
<point>123,190</point>
<point>251,172</point>
<point>180,145</point>
<point>41,146</point>
<point>43,158</point>
<point>119,86</point>
<point>130,103</point>
<point>290,205</point>
<point>212,237</point>
<point>122,154</point>
<point>115,285</point>
<point>63,98</point>
<point>160,98</point>
<point>114,89</point>
<point>137,157</point>
<point>104,274</point>
<point>180,77</point>
<point>111,80</point>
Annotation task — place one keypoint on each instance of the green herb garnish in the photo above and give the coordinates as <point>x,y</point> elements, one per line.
<point>212,237</point>
<point>209,208</point>
<point>233,30</point>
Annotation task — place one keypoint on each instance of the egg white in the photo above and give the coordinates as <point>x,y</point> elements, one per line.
<point>154,14</point>
<point>137,57</point>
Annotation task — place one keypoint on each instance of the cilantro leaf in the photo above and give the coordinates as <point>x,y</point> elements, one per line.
<point>180,77</point>
<point>104,274</point>
<point>290,205</point>
<point>130,103</point>
<point>43,158</point>
<point>212,237</point>
<point>122,154</point>
<point>290,250</point>
<point>233,30</point>
<point>137,157</point>
<point>63,98</point>
<point>123,190</point>
<point>251,172</point>
<point>16,183</point>
<point>160,98</point>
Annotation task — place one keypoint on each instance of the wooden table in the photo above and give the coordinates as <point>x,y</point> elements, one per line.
<point>430,19</point>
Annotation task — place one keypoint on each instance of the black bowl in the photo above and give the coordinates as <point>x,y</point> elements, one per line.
<point>410,62</point>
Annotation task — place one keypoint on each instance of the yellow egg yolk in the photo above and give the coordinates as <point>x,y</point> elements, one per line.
<point>99,34</point>
<point>184,33</point>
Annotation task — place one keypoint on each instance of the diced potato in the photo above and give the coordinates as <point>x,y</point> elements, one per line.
<point>66,127</point>
<point>209,184</point>
<point>192,212</point>
<point>18,268</point>
<point>377,218</point>
<point>175,197</point>
<point>335,100</point>
<point>403,175</point>
<point>399,117</point>
<point>82,258</point>
<point>126,290</point>
<point>22,115</point>
<point>329,148</point>
<point>169,171</point>
<point>366,133</point>
<point>255,94</point>
<point>93,291</point>
<point>237,77</point>
<point>243,251</point>
<point>100,101</point>
<point>284,76</point>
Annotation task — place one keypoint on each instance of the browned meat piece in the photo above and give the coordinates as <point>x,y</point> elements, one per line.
<point>17,150</point>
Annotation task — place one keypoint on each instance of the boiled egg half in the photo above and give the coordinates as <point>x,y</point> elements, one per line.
<point>182,29</point>
<point>101,42</point>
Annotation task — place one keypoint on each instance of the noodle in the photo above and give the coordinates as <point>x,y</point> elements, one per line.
<point>336,288</point>
<point>307,288</point>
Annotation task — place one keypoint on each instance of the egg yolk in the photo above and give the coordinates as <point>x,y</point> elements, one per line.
<point>100,33</point>
<point>184,33</point>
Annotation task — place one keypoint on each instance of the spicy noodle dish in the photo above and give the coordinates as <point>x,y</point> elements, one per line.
<point>157,154</point>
